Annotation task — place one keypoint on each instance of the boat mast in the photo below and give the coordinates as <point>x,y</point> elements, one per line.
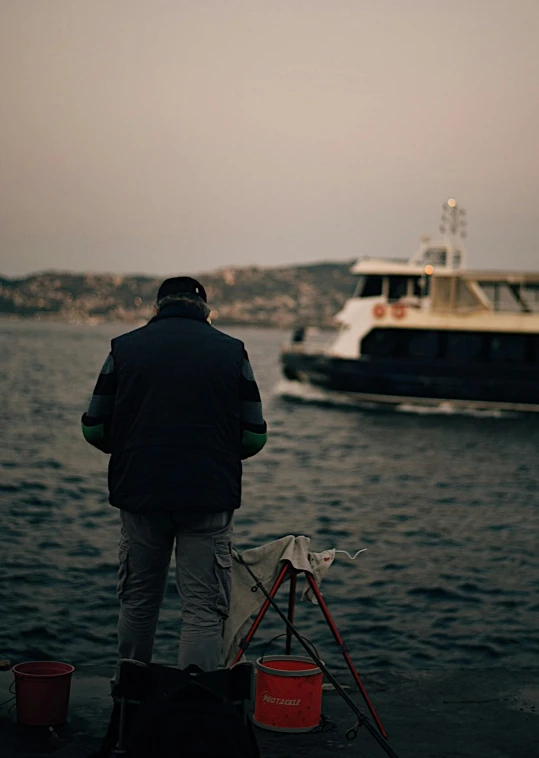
<point>453,227</point>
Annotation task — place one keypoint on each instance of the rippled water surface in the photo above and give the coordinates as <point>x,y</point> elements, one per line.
<point>446,505</point>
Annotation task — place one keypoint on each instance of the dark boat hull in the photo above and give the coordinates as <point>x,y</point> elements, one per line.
<point>424,381</point>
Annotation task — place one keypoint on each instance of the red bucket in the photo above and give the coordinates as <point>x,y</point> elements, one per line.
<point>288,694</point>
<point>42,691</point>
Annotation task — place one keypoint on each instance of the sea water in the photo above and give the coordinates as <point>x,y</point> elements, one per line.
<point>446,504</point>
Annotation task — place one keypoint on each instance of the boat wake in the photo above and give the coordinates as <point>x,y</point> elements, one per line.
<point>302,392</point>
<point>306,393</point>
<point>448,409</point>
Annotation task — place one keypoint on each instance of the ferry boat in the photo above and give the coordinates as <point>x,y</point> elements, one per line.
<point>429,331</point>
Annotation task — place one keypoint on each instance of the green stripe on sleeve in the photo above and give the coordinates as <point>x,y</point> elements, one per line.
<point>252,443</point>
<point>95,435</point>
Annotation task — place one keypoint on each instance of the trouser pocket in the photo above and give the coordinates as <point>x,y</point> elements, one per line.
<point>123,562</point>
<point>223,569</point>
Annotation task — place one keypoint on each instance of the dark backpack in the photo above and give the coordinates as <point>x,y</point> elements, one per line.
<point>189,721</point>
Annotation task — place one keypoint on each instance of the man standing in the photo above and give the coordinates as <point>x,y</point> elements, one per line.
<point>177,407</point>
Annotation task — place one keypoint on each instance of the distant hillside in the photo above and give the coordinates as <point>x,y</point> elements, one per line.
<point>255,296</point>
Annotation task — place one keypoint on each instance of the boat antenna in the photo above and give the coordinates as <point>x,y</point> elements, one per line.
<point>454,219</point>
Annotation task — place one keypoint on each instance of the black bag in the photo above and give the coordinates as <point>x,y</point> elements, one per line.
<point>189,720</point>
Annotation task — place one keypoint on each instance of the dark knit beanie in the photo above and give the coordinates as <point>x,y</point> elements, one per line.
<point>181,285</point>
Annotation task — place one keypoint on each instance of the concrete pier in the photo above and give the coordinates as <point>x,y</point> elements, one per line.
<point>491,713</point>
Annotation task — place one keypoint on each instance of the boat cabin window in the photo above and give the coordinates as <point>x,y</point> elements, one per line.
<point>382,343</point>
<point>394,286</point>
<point>436,256</point>
<point>398,287</point>
<point>464,346</point>
<point>451,346</point>
<point>419,286</point>
<point>512,297</point>
<point>370,286</point>
<point>422,344</point>
<point>508,348</point>
<point>408,286</point>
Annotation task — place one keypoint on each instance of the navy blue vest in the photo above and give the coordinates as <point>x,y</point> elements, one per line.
<point>175,434</point>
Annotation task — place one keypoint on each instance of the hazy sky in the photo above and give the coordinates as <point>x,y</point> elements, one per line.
<point>167,137</point>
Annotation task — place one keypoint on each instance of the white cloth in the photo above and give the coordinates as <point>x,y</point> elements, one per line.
<point>266,563</point>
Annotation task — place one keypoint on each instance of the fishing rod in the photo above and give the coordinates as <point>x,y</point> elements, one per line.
<point>362,718</point>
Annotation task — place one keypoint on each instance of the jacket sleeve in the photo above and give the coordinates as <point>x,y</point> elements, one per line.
<point>96,421</point>
<point>253,427</point>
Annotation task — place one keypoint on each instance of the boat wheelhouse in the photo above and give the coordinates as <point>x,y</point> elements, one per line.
<point>428,330</point>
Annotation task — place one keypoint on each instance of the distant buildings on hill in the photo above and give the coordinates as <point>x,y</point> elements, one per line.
<point>277,297</point>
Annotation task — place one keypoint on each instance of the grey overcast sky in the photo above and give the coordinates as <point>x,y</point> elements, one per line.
<point>167,137</point>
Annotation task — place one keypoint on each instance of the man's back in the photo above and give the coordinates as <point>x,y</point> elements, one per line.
<point>175,430</point>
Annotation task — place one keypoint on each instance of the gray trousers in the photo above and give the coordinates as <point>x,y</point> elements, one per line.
<point>203,565</point>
